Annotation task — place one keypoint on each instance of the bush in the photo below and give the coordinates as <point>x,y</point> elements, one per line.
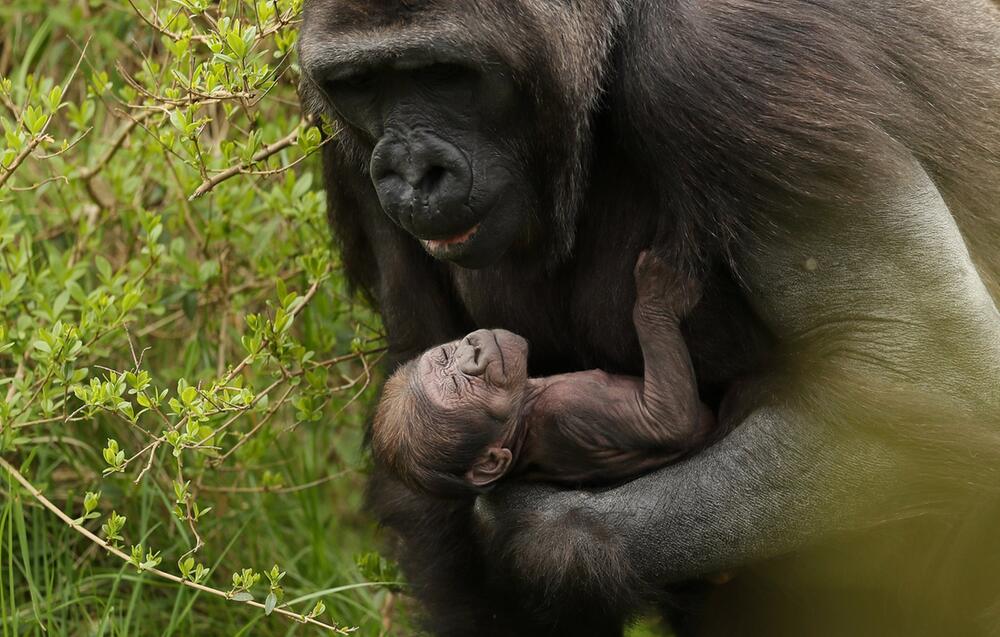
<point>183,374</point>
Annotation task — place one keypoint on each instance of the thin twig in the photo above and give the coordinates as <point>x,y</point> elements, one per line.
<point>266,152</point>
<point>162,29</point>
<point>8,171</point>
<point>79,528</point>
<point>123,133</point>
<point>276,490</point>
<point>39,184</point>
<point>263,421</point>
<point>63,151</point>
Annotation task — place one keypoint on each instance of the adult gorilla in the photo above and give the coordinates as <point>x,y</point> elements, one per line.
<point>829,168</point>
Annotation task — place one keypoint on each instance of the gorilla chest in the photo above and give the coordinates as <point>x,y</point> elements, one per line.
<point>582,319</point>
<point>569,327</point>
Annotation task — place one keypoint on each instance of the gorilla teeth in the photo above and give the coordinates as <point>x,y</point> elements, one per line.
<point>437,244</point>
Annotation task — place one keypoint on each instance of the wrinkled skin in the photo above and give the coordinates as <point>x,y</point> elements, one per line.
<point>827,168</point>
<point>483,375</point>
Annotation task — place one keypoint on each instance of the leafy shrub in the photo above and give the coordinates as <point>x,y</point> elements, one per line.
<point>183,374</point>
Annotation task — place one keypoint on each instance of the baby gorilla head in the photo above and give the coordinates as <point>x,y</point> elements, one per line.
<point>448,420</point>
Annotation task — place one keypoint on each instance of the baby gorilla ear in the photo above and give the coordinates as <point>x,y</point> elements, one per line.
<point>489,467</point>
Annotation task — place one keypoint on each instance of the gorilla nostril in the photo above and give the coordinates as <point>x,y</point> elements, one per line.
<point>423,183</point>
<point>431,180</point>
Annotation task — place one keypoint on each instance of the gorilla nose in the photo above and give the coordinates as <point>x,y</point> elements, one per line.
<point>423,183</point>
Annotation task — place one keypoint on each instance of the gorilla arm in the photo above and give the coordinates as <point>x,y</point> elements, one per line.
<point>895,341</point>
<point>766,489</point>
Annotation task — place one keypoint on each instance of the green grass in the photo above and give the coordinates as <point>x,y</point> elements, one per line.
<point>55,583</point>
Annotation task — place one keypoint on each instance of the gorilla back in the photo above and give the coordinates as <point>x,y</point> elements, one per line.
<point>829,168</point>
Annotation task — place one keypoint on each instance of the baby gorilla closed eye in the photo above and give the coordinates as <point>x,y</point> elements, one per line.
<point>465,414</point>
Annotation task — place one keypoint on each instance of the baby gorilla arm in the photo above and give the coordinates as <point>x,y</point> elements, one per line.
<point>596,428</point>
<point>670,410</point>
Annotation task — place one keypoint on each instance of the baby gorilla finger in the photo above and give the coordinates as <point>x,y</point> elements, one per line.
<point>658,284</point>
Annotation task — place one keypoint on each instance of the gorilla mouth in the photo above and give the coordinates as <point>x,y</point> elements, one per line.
<point>443,247</point>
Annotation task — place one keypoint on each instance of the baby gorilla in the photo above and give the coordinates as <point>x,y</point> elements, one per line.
<point>465,414</point>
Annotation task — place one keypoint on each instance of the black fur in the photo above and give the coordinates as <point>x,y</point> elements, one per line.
<point>700,126</point>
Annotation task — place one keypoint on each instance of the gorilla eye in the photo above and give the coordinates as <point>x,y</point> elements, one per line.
<point>354,83</point>
<point>360,80</point>
<point>446,72</point>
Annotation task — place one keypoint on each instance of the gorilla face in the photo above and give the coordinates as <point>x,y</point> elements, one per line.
<point>443,150</point>
<point>472,118</point>
<point>441,161</point>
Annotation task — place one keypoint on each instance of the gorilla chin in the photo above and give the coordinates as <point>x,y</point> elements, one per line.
<point>486,242</point>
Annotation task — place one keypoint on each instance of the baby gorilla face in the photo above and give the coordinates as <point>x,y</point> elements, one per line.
<point>486,370</point>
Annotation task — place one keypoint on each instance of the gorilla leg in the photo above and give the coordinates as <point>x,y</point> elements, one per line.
<point>460,590</point>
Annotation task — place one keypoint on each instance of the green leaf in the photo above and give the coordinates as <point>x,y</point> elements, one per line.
<point>55,97</point>
<point>236,43</point>
<point>103,267</point>
<point>90,501</point>
<point>60,303</point>
<point>318,609</point>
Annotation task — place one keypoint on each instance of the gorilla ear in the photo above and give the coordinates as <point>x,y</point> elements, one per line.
<point>490,467</point>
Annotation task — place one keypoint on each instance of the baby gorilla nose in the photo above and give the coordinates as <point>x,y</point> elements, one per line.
<point>475,352</point>
<point>473,341</point>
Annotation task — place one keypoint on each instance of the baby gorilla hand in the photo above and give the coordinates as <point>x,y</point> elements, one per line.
<point>661,289</point>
